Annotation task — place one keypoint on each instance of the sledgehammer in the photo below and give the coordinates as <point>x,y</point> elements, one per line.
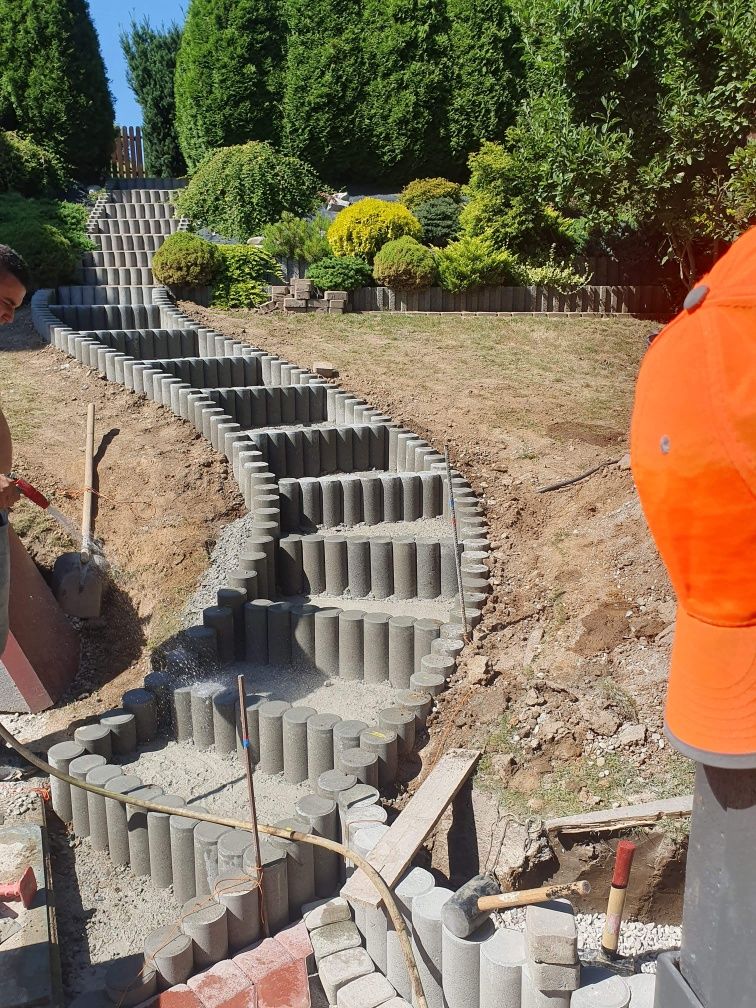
<point>24,890</point>
<point>470,905</point>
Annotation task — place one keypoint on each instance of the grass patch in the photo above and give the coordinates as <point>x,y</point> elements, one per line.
<point>20,397</point>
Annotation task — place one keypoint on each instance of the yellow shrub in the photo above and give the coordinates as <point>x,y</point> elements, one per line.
<point>363,228</point>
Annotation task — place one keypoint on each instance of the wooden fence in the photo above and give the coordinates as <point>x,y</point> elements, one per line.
<point>128,153</point>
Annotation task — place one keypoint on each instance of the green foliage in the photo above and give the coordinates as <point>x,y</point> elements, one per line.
<point>344,273</point>
<point>242,274</point>
<point>53,86</point>
<point>362,228</point>
<point>323,93</point>
<point>555,274</point>
<point>293,237</point>
<point>440,221</point>
<point>421,190</point>
<point>404,262</point>
<point>474,262</point>
<point>49,234</point>
<point>236,191</point>
<point>27,168</point>
<point>150,68</point>
<point>229,75</point>
<point>185,260</point>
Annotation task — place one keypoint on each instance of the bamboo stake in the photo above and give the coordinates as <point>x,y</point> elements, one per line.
<point>86,521</point>
<point>251,790</point>
<point>457,558</point>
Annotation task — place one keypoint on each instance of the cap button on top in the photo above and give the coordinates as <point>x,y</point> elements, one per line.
<point>695,297</point>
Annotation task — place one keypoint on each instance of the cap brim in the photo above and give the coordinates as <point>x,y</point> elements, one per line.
<point>711,700</point>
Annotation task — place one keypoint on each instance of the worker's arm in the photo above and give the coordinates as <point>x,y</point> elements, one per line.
<point>9,495</point>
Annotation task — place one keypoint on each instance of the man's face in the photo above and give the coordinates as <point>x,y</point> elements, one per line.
<point>12,293</point>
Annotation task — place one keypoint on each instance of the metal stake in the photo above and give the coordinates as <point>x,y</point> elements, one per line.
<point>457,558</point>
<point>252,807</point>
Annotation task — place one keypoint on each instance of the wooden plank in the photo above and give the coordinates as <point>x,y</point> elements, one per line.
<point>139,153</point>
<point>629,817</point>
<point>394,852</point>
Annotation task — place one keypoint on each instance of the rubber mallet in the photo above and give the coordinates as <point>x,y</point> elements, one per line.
<point>466,910</point>
<point>24,890</point>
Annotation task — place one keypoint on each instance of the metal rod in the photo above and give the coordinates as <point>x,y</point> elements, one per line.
<point>86,520</point>
<point>457,558</point>
<point>247,756</point>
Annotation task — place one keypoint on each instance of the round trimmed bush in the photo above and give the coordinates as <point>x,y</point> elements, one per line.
<point>345,273</point>
<point>405,263</point>
<point>364,227</point>
<point>50,256</point>
<point>473,262</point>
<point>421,190</point>
<point>185,260</point>
<point>27,168</point>
<point>440,220</point>
<point>237,190</point>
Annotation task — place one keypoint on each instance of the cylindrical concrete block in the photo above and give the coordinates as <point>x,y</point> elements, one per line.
<point>418,703</point>
<point>271,736</point>
<point>415,883</point>
<point>363,764</point>
<point>303,636</point>
<point>400,722</point>
<point>136,825</point>
<point>333,783</point>
<point>426,943</point>
<point>256,631</point>
<point>461,966</point>
<point>336,565</point>
<point>351,644</point>
<point>98,823</point>
<point>291,505</point>
<point>381,567</point>
<point>327,642</point>
<point>392,498</point>
<point>255,559</point>
<point>430,491</point>
<point>96,740</point>
<point>450,647</point>
<point>412,505</point>
<point>274,882</point>
<point>159,841</point>
<point>312,503</point>
<point>502,957</point>
<point>182,857</point>
<point>376,647</point>
<point>428,682</point>
<point>224,720</point>
<point>361,447</point>
<point>322,818</point>
<point>241,899</point>
<point>313,564</point>
<point>202,695</point>
<point>279,633</point>
<point>319,745</point>
<point>200,646</point>
<point>79,768</point>
<point>359,817</point>
<point>357,796</point>
<point>375,922</point>
<point>221,619</point>
<point>351,495</point>
<point>346,735</point>
<point>300,865</point>
<point>206,837</point>
<point>426,631</point>
<point>170,954</point>
<point>439,663</point>
<point>358,561</point>
<point>428,569</point>
<point>130,981</point>
<point>295,743</point>
<point>344,456</point>
<point>232,846</point>
<point>384,744</point>
<point>205,923</point>
<point>123,733</point>
<point>372,500</point>
<point>333,502</point>
<point>449,586</point>
<point>401,651</point>
<point>181,713</point>
<point>253,702</point>
<point>115,814</point>
<point>142,704</point>
<point>290,565</point>
<point>405,568</point>
<point>60,756</point>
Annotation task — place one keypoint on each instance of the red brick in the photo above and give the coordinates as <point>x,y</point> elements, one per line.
<point>296,941</point>
<point>285,987</point>
<point>221,983</point>
<point>177,997</point>
<point>257,962</point>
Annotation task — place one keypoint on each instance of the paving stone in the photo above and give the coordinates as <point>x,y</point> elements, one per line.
<point>610,993</point>
<point>642,987</point>
<point>296,940</point>
<point>285,987</point>
<point>218,984</point>
<point>551,933</point>
<point>369,991</point>
<point>334,938</point>
<point>337,970</point>
<point>552,978</point>
<point>179,996</point>
<point>257,962</point>
<point>323,912</point>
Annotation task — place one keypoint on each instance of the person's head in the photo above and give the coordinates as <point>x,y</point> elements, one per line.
<point>14,282</point>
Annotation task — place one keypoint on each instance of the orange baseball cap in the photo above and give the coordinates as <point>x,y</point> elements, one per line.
<point>693,450</point>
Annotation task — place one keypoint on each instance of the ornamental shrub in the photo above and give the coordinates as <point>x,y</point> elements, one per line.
<point>364,227</point>
<point>236,191</point>
<point>242,275</point>
<point>49,234</point>
<point>346,273</point>
<point>29,169</point>
<point>424,189</point>
<point>474,262</point>
<point>440,220</point>
<point>404,262</point>
<point>292,237</point>
<point>185,260</point>
<point>553,273</point>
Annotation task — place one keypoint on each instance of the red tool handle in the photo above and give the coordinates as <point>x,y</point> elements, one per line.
<point>32,493</point>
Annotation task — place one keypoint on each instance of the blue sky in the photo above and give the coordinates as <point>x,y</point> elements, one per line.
<point>110,19</point>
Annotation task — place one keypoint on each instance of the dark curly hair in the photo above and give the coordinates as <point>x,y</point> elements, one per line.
<point>11,262</point>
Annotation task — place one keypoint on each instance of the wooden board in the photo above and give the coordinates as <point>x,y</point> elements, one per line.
<point>628,817</point>
<point>394,852</point>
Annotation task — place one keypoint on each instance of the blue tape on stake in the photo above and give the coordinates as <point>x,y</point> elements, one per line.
<point>245,743</point>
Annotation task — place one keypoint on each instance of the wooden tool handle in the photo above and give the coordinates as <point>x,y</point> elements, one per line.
<point>528,897</point>
<point>86,521</point>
